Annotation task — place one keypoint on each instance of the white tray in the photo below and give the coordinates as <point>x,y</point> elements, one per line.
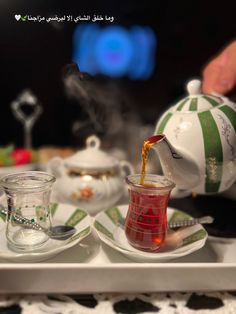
<point>92,267</point>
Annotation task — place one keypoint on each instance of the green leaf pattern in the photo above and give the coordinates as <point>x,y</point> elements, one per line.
<point>80,234</point>
<point>198,235</point>
<point>114,214</point>
<point>76,217</point>
<point>103,230</point>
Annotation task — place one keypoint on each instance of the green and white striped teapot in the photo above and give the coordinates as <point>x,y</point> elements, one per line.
<point>197,146</point>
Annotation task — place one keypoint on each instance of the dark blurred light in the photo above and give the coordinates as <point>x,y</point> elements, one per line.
<point>115,50</point>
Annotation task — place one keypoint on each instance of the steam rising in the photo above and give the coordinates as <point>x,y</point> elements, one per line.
<point>103,101</point>
<point>110,113</point>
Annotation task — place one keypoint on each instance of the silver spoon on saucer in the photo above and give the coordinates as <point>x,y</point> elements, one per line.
<point>188,222</point>
<point>59,232</point>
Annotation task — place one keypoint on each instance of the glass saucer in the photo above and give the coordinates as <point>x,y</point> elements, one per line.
<point>61,214</point>
<point>181,242</point>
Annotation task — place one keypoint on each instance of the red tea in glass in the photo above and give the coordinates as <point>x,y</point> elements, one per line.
<point>146,220</point>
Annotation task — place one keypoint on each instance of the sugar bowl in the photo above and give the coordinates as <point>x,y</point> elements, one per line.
<point>91,178</point>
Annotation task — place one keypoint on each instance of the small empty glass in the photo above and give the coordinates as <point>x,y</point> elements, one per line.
<point>146,220</point>
<point>28,195</point>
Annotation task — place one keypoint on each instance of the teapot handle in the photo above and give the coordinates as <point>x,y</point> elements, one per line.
<point>126,168</point>
<point>55,166</point>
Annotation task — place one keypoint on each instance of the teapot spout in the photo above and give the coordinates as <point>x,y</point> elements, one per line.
<point>177,166</point>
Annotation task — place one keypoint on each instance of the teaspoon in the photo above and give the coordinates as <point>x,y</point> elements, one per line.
<point>188,222</point>
<point>59,232</point>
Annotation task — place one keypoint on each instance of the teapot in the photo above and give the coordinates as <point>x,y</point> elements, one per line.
<point>196,142</point>
<point>91,178</point>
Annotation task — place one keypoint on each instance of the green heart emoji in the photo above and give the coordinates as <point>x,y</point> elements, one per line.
<point>24,18</point>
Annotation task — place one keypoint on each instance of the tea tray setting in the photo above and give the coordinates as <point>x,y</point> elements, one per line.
<point>92,266</point>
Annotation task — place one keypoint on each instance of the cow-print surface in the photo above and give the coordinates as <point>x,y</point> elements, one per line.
<point>162,303</point>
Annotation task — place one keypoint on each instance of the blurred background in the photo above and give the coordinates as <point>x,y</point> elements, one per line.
<point>141,54</point>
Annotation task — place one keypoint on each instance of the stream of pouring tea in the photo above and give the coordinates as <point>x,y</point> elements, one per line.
<point>145,152</point>
<point>147,145</point>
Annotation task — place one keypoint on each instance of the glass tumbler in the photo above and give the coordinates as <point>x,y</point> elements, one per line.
<point>146,220</point>
<point>28,195</point>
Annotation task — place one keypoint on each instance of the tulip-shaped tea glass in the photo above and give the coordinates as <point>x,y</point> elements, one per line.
<point>28,195</point>
<point>146,220</point>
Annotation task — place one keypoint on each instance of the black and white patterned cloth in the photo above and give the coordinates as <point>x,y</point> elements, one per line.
<point>162,303</point>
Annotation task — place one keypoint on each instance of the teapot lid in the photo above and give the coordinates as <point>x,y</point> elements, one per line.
<point>92,157</point>
<point>196,101</point>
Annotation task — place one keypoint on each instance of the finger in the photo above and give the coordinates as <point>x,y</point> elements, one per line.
<point>220,74</point>
<point>224,82</point>
<point>210,74</point>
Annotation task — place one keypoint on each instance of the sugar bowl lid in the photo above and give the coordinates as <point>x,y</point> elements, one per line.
<point>196,100</point>
<point>92,157</point>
